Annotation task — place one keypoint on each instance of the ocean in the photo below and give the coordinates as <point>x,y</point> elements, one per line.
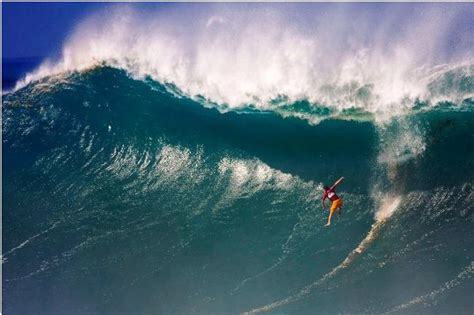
<point>125,192</point>
<point>122,197</point>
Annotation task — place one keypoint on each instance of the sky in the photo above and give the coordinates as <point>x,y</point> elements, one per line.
<point>39,29</point>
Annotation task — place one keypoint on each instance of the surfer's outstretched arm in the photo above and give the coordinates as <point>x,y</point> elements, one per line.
<point>337,182</point>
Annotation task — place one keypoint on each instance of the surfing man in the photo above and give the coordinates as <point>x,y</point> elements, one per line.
<point>336,202</point>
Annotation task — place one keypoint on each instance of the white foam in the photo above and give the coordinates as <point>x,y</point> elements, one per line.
<point>237,59</point>
<point>388,206</point>
<point>245,177</point>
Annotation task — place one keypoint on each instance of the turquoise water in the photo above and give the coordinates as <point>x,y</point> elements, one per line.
<point>124,196</point>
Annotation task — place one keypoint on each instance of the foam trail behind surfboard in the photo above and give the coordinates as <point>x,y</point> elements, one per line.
<point>385,211</point>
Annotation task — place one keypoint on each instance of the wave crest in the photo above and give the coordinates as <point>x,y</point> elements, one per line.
<point>256,59</point>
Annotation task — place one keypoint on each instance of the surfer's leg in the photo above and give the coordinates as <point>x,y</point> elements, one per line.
<point>329,219</point>
<point>331,212</point>
<point>339,212</point>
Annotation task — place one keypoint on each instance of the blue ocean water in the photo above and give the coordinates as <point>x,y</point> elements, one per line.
<point>125,196</point>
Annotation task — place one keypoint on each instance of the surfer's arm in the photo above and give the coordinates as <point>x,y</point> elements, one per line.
<point>322,201</point>
<point>337,183</point>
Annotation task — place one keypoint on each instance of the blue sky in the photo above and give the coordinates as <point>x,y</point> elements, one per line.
<point>38,29</point>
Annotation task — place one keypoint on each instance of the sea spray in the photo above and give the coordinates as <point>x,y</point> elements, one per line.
<point>272,57</point>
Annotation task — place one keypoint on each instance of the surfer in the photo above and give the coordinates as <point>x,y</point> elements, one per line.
<point>336,201</point>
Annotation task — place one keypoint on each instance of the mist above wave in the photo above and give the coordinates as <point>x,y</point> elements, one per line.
<point>339,56</point>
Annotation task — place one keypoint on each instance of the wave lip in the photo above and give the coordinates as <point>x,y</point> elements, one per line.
<point>272,59</point>
<point>312,111</point>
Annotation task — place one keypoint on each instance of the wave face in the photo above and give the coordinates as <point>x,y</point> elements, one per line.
<point>122,195</point>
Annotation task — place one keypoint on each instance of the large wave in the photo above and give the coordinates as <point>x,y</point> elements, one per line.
<point>334,57</point>
<point>121,180</point>
<point>119,170</point>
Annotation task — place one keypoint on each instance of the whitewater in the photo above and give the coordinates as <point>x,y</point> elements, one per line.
<point>279,64</point>
<point>157,167</point>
